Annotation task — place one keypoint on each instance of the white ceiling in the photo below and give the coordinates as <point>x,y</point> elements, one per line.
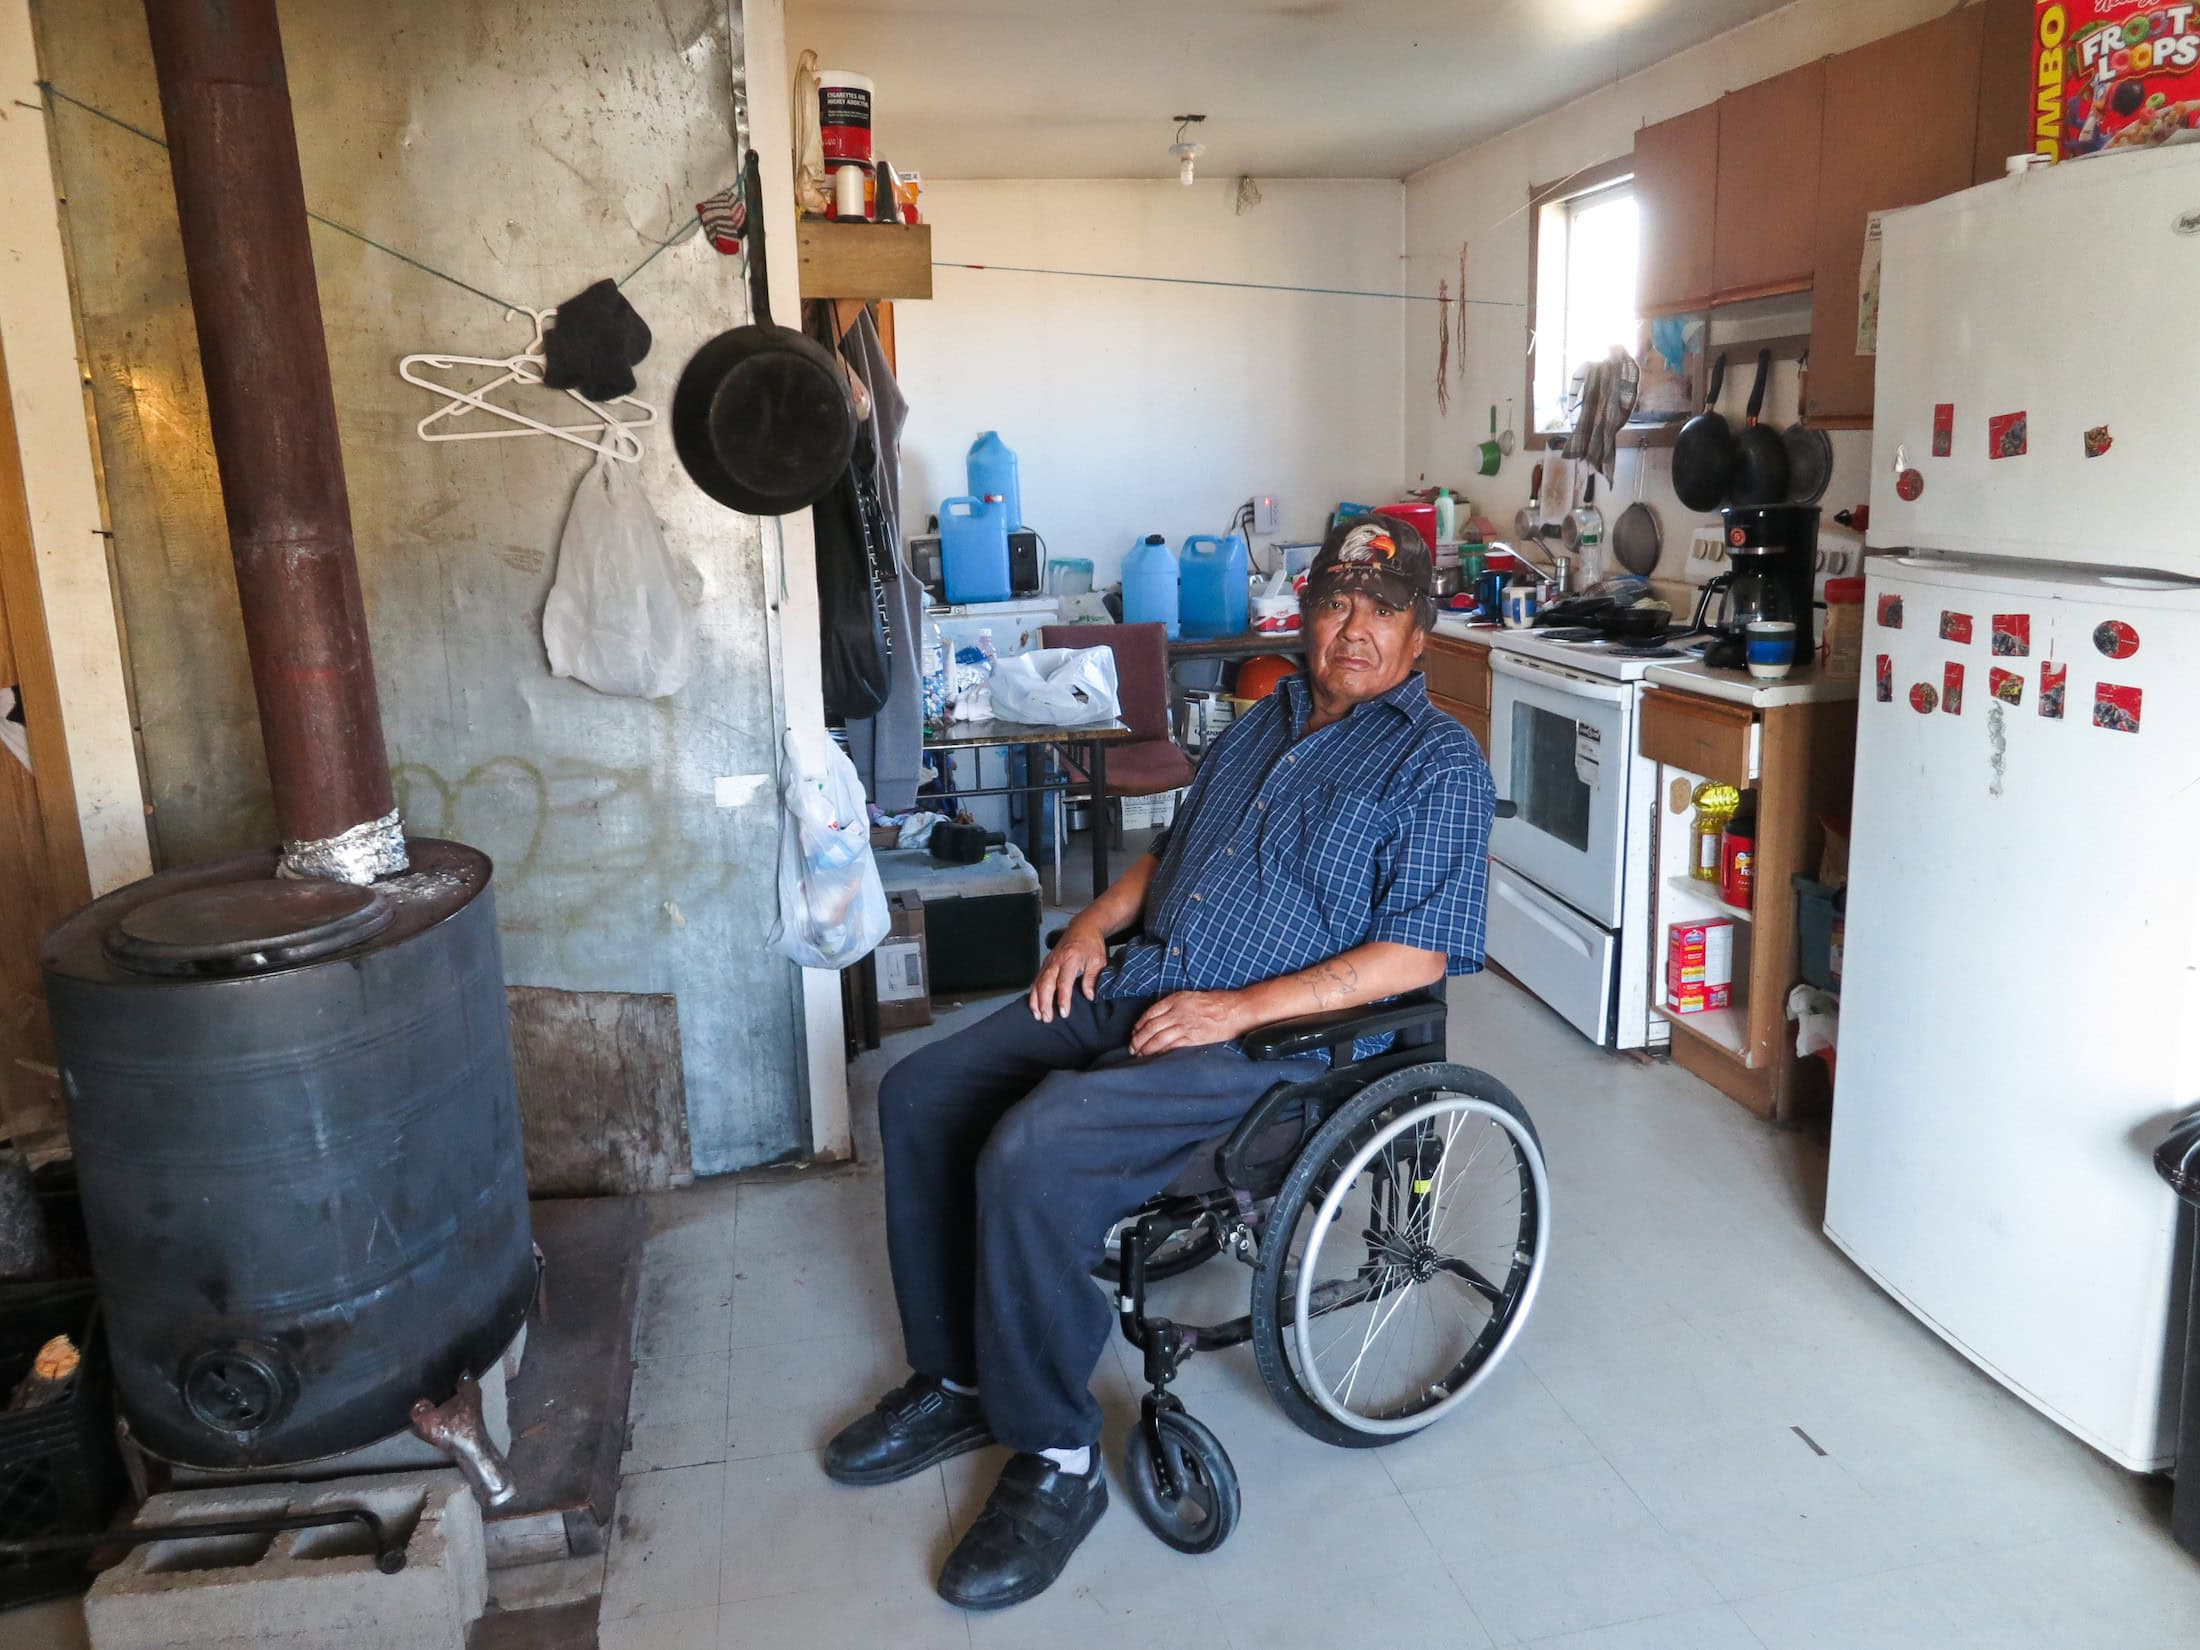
<point>1291,88</point>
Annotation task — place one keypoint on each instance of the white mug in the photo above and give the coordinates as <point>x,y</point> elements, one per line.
<point>1520,606</point>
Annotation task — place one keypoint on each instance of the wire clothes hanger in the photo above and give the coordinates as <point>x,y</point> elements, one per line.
<point>609,434</point>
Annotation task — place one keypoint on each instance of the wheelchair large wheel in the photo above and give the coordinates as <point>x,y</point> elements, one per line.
<point>1202,1510</point>
<point>1402,1255</point>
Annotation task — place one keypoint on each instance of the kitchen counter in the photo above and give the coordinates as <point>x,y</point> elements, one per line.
<point>1738,687</point>
<point>1480,635</point>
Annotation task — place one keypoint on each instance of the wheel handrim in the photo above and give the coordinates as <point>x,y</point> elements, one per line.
<point>1413,1281</point>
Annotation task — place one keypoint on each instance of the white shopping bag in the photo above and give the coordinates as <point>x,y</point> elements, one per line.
<point>1068,687</point>
<point>832,907</point>
<point>616,618</point>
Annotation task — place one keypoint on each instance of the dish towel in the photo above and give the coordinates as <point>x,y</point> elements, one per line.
<point>1607,399</point>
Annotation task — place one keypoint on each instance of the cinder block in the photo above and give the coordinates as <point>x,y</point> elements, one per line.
<point>303,1589</point>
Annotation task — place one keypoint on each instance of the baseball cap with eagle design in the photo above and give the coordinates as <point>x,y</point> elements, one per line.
<point>1383,557</point>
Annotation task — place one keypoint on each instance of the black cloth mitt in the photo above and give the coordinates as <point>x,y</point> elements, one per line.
<point>594,343</point>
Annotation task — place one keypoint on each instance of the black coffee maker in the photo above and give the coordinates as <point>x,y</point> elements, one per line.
<point>1772,560</point>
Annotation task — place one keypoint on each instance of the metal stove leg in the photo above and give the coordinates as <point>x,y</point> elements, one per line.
<point>456,1428</point>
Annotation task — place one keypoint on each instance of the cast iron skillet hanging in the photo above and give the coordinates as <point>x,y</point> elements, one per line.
<point>762,419</point>
<point>1703,453</point>
<point>1760,456</point>
<point>1809,449</point>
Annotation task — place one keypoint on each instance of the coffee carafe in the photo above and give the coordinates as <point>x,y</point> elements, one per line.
<point>1772,552</point>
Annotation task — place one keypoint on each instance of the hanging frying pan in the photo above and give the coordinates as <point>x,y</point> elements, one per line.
<point>1703,454</point>
<point>762,420</point>
<point>1760,456</point>
<point>1636,536</point>
<point>1809,449</point>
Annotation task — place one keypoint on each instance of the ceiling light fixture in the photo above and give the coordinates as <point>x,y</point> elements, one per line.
<point>1187,154</point>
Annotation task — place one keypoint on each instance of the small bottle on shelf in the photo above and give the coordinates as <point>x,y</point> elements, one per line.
<point>1715,804</point>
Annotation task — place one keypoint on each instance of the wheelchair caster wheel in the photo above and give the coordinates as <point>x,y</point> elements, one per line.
<point>1202,1510</point>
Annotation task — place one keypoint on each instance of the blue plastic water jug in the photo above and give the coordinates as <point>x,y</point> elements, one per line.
<point>1150,584</point>
<point>992,471</point>
<point>1215,580</point>
<point>973,550</point>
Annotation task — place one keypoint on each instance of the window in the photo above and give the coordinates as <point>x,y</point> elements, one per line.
<point>1586,247</point>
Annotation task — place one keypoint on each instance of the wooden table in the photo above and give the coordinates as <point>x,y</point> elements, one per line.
<point>1088,747</point>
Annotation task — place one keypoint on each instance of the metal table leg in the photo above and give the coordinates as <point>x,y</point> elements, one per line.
<point>1036,766</point>
<point>1098,769</point>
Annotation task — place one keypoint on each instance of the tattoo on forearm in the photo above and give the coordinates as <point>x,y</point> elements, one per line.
<point>1334,983</point>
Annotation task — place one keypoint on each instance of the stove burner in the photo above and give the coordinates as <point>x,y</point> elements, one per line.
<point>1570,633</point>
<point>1648,651</point>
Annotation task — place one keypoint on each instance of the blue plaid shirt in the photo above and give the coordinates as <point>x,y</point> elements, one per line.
<point>1293,848</point>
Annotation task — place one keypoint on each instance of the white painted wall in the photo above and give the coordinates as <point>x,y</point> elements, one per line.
<point>1141,407</point>
<point>1480,196</point>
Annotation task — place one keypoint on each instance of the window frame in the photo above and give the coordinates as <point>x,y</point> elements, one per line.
<point>1588,181</point>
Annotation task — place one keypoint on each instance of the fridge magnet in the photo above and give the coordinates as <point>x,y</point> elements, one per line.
<point>1909,486</point>
<point>1923,699</point>
<point>1954,627</point>
<point>2005,436</point>
<point>1884,678</point>
<point>1944,428</point>
<point>2053,678</point>
<point>2012,635</point>
<point>1951,688</point>
<point>2098,441</point>
<point>2006,685</point>
<point>2115,639</point>
<point>2116,708</point>
<point>1890,612</point>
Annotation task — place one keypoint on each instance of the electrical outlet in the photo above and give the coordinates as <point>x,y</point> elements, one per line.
<point>1267,513</point>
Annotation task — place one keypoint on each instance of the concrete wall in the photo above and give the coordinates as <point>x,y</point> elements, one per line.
<point>1139,407</point>
<point>528,149</point>
<point>1480,197</point>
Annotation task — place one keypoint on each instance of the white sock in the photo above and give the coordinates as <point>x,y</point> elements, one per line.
<point>958,1389</point>
<point>1078,1461</point>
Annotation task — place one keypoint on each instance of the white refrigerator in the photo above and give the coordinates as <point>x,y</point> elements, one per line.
<point>2020,1014</point>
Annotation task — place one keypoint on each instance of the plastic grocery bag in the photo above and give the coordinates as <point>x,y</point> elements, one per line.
<point>832,907</point>
<point>1067,687</point>
<point>616,618</point>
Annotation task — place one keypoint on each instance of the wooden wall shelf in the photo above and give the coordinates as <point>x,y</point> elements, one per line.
<point>864,260</point>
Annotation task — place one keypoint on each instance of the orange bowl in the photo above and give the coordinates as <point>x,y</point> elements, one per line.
<point>1258,676</point>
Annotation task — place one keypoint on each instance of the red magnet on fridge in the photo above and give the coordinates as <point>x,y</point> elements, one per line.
<point>1923,698</point>
<point>1890,612</point>
<point>2005,436</point>
<point>1951,688</point>
<point>2053,678</point>
<point>2098,441</point>
<point>2116,708</point>
<point>1909,486</point>
<point>2115,639</point>
<point>1884,677</point>
<point>2006,685</point>
<point>2012,637</point>
<point>1944,428</point>
<point>1955,627</point>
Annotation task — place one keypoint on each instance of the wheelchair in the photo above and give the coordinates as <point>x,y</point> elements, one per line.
<point>1395,1213</point>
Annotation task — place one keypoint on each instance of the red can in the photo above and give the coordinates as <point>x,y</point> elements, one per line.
<point>1737,868</point>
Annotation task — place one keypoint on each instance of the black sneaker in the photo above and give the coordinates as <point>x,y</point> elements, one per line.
<point>1034,1520</point>
<point>917,1425</point>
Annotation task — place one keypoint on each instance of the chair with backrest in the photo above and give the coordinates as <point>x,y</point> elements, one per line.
<point>1150,763</point>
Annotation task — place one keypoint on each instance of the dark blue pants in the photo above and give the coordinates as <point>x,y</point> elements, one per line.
<point>1011,1147</point>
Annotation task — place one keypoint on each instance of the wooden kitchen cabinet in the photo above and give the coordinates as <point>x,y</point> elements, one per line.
<point>1765,215</point>
<point>1676,174</point>
<point>1804,763</point>
<point>1900,127</point>
<point>1458,675</point>
<point>2004,87</point>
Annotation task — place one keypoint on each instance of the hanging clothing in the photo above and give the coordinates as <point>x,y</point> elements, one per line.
<point>888,747</point>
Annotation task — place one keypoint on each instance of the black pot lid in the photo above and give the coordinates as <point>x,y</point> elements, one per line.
<point>246,927</point>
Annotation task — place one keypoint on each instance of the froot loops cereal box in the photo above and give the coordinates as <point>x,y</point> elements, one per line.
<point>2113,74</point>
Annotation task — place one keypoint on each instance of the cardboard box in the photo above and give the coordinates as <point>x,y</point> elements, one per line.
<point>904,972</point>
<point>2113,74</point>
<point>1699,965</point>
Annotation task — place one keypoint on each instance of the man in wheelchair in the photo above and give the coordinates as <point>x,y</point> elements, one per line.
<point>1332,852</point>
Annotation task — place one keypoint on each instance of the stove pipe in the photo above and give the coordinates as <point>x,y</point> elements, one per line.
<point>233,153</point>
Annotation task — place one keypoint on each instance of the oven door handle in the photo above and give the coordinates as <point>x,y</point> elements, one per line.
<point>1557,679</point>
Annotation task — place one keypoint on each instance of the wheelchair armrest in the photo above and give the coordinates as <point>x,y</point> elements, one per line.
<point>1421,1010</point>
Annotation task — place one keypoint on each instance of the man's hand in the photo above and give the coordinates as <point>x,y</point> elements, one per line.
<point>1078,959</point>
<point>1192,1019</point>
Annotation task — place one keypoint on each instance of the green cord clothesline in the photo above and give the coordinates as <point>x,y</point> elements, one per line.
<point>678,235</point>
<point>1241,286</point>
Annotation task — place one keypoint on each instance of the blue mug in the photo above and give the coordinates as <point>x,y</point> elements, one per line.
<point>1770,647</point>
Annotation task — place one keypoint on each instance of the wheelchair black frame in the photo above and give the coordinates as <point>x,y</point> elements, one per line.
<point>1416,1021</point>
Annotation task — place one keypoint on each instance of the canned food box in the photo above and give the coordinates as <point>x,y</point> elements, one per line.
<point>1699,954</point>
<point>2113,74</point>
